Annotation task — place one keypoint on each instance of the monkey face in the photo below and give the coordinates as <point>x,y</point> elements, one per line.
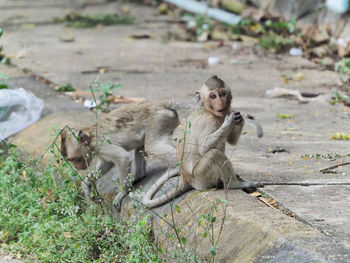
<point>76,149</point>
<point>219,101</point>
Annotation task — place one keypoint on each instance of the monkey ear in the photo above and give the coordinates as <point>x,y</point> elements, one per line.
<point>198,97</point>
<point>84,138</point>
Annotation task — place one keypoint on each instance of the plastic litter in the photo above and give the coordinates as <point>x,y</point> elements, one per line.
<point>295,94</point>
<point>295,52</point>
<point>213,60</point>
<point>202,8</point>
<point>19,109</point>
<point>89,104</point>
<point>338,6</point>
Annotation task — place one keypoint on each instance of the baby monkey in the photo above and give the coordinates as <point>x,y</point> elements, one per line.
<point>200,146</point>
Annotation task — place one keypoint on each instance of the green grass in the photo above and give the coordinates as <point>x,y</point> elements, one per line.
<point>85,21</point>
<point>44,222</point>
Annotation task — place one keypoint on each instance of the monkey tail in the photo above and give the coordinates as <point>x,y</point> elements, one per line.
<point>166,197</point>
<point>252,122</point>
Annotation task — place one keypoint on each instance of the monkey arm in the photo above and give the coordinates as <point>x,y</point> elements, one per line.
<point>215,139</point>
<point>234,135</point>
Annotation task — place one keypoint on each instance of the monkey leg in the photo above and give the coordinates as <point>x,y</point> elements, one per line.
<point>214,168</point>
<point>139,163</point>
<point>102,167</point>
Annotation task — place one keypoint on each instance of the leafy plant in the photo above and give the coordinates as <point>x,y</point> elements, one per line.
<point>3,58</point>
<point>338,98</point>
<point>49,222</point>
<point>84,21</point>
<point>281,26</point>
<point>106,97</point>
<point>3,78</point>
<point>340,136</point>
<point>342,67</point>
<point>198,23</point>
<point>275,42</point>
<point>66,88</point>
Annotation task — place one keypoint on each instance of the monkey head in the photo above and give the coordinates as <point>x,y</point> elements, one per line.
<point>215,96</point>
<point>75,148</point>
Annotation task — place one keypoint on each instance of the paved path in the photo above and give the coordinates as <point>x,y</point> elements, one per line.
<point>156,69</point>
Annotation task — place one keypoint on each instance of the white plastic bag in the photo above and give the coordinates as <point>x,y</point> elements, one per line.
<point>19,108</point>
<point>338,6</point>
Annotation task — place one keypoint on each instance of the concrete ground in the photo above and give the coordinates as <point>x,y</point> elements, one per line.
<point>297,223</point>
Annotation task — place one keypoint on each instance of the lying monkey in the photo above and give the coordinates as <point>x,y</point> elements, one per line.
<point>201,146</point>
<point>129,127</point>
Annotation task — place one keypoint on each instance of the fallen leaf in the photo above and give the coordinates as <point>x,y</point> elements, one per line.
<point>67,235</point>
<point>256,194</point>
<point>272,201</point>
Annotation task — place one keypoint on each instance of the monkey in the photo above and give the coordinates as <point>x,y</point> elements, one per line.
<point>133,127</point>
<point>200,148</point>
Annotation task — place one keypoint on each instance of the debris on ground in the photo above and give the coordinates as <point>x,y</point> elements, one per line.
<point>19,109</point>
<point>295,94</point>
<point>78,20</point>
<point>264,29</point>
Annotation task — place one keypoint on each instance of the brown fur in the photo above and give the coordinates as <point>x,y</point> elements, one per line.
<point>130,127</point>
<point>201,147</point>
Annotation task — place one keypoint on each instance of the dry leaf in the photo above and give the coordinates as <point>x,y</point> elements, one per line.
<point>256,194</point>
<point>272,201</point>
<point>67,235</point>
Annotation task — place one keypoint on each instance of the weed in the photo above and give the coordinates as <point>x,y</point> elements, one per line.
<point>3,78</point>
<point>106,89</point>
<point>85,21</point>
<point>338,98</point>
<point>342,67</point>
<point>340,136</point>
<point>50,222</point>
<point>275,42</point>
<point>328,156</point>
<point>3,59</point>
<point>66,88</point>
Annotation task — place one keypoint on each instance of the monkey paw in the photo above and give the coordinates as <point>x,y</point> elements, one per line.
<point>117,203</point>
<point>238,119</point>
<point>229,120</point>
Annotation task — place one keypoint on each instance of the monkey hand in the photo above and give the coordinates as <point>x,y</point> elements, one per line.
<point>238,118</point>
<point>229,120</point>
<point>118,201</point>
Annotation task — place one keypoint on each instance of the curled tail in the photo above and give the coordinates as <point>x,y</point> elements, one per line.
<point>166,197</point>
<point>250,120</point>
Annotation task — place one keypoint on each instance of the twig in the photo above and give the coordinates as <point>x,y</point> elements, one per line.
<point>334,166</point>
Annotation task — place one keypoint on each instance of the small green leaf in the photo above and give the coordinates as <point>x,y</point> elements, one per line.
<point>5,61</point>
<point>3,86</point>
<point>180,140</point>
<point>177,209</point>
<point>340,136</point>
<point>183,240</point>
<point>189,125</point>
<point>66,88</point>
<point>284,116</point>
<point>1,31</point>
<point>108,141</point>
<point>212,250</point>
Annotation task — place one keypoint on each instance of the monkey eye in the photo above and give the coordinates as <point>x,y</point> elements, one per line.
<point>222,94</point>
<point>212,96</point>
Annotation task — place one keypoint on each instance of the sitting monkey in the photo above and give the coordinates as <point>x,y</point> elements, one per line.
<point>130,127</point>
<point>201,146</point>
